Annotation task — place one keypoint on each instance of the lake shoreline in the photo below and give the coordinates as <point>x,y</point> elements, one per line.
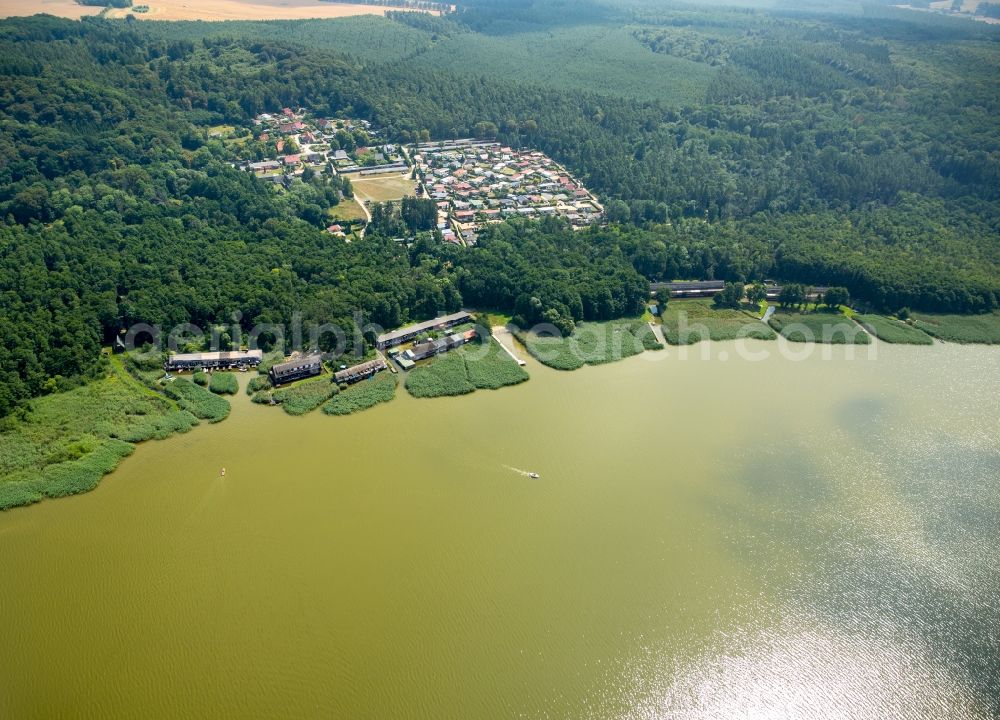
<point>643,344</point>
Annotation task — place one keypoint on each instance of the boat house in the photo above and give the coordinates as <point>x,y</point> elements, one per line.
<point>361,371</point>
<point>214,360</point>
<point>304,367</point>
<point>410,332</point>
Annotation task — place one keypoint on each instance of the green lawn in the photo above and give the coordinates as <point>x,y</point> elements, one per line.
<point>891,330</point>
<point>362,395</point>
<point>592,344</point>
<point>983,329</point>
<point>348,209</point>
<point>686,322</point>
<point>819,326</point>
<point>70,440</point>
<point>496,318</point>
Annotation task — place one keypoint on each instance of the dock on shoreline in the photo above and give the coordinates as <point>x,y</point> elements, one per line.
<point>503,336</point>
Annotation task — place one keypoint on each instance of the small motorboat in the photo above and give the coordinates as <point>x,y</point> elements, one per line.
<point>534,475</point>
<point>223,473</point>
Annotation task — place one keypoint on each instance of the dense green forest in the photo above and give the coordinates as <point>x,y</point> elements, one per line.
<point>860,151</point>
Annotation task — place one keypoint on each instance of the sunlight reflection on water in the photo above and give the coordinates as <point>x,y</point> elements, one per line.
<point>805,669</point>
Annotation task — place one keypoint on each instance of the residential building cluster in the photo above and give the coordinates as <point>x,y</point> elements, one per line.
<point>295,140</point>
<point>476,183</point>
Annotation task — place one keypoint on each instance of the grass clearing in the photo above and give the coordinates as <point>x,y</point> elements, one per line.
<point>686,322</point>
<point>495,317</point>
<point>967,329</point>
<point>819,326</point>
<point>592,344</point>
<point>384,188</point>
<point>70,440</point>
<point>224,383</point>
<point>891,330</point>
<point>221,131</point>
<point>362,395</point>
<point>347,210</point>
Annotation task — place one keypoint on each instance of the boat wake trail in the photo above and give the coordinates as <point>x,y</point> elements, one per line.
<point>216,488</point>
<point>519,471</point>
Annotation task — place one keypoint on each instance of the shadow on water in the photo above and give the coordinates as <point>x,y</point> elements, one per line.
<point>863,417</point>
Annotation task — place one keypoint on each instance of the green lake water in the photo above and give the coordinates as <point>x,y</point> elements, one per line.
<point>709,538</point>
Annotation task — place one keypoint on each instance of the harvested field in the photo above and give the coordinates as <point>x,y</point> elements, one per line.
<point>241,10</point>
<point>59,8</point>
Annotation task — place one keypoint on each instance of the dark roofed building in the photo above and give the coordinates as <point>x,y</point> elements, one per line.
<point>235,358</point>
<point>303,367</point>
<point>405,334</point>
<point>436,347</point>
<point>697,288</point>
<point>812,293</point>
<point>421,351</point>
<point>360,372</point>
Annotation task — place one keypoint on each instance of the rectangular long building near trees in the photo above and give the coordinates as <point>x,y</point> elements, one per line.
<point>410,332</point>
<point>360,372</point>
<point>696,288</point>
<point>213,360</point>
<point>304,367</point>
<point>812,292</point>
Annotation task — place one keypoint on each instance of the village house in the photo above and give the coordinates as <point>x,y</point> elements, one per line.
<point>361,371</point>
<point>298,369</point>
